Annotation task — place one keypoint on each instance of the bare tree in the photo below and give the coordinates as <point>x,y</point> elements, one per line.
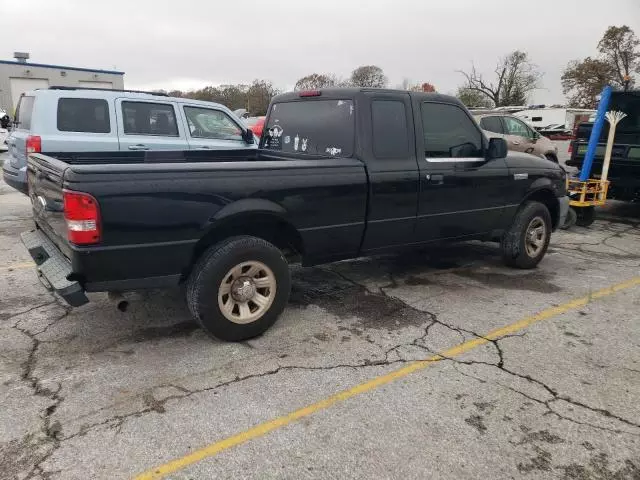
<point>515,78</point>
<point>368,76</point>
<point>315,81</point>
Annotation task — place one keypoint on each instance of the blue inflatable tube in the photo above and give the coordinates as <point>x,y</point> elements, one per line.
<point>587,163</point>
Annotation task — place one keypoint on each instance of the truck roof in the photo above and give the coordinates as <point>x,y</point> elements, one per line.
<point>355,91</point>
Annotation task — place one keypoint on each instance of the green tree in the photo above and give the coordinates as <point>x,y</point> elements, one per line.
<point>582,81</point>
<point>259,95</point>
<point>316,81</point>
<point>473,98</point>
<point>370,76</point>
<point>620,48</point>
<point>515,77</point>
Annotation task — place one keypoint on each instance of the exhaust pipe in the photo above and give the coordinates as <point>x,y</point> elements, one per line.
<point>121,303</point>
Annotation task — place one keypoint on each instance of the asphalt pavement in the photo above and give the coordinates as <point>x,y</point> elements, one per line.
<point>439,364</point>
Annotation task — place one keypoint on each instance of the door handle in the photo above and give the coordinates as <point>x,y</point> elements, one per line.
<point>203,148</point>
<point>515,142</point>
<point>436,179</point>
<point>139,146</point>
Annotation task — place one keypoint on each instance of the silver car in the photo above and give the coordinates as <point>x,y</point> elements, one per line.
<point>67,120</point>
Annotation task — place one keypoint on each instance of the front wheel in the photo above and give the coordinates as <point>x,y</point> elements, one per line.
<point>238,288</point>
<point>526,242</point>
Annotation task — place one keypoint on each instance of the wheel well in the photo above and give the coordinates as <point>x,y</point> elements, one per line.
<point>552,156</point>
<point>547,198</point>
<point>268,227</point>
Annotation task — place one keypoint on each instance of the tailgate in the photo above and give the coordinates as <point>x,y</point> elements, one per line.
<point>44,178</point>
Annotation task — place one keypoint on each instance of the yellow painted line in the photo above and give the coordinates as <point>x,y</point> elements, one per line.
<point>264,428</point>
<point>17,266</point>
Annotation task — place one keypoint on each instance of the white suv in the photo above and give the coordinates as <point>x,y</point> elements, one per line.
<point>67,120</point>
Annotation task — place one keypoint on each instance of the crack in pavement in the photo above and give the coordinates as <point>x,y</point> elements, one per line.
<point>555,395</point>
<point>50,429</point>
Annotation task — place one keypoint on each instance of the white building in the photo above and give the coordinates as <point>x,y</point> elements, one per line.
<point>20,75</point>
<point>555,117</point>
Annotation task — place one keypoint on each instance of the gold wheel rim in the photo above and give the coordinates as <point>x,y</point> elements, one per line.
<point>246,292</point>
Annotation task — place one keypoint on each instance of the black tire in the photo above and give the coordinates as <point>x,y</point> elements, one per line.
<point>551,157</point>
<point>571,219</point>
<point>585,216</point>
<point>514,246</point>
<point>213,267</point>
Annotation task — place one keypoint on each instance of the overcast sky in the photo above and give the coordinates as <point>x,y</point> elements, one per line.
<point>189,44</point>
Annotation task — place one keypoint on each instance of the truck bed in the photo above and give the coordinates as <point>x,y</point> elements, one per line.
<point>161,204</point>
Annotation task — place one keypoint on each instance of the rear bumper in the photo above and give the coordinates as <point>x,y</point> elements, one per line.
<point>53,268</point>
<point>14,177</point>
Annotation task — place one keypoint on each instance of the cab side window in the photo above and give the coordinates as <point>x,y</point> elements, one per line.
<point>214,124</point>
<point>491,124</point>
<point>449,132</point>
<point>146,118</point>
<point>516,127</point>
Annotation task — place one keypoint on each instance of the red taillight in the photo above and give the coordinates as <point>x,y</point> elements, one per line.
<point>574,137</point>
<point>310,93</point>
<point>33,144</point>
<point>82,216</point>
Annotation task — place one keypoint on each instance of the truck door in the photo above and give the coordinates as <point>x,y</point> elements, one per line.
<point>461,193</point>
<point>393,171</point>
<point>148,125</point>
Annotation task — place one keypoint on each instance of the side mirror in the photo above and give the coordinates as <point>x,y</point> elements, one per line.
<point>497,148</point>
<point>247,136</point>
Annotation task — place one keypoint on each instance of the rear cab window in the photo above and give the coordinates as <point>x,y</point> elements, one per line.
<point>86,115</point>
<point>311,127</point>
<point>24,112</point>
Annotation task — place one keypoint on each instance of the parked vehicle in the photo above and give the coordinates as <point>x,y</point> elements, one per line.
<point>255,124</point>
<point>520,137</point>
<point>624,169</point>
<point>67,120</point>
<point>341,173</point>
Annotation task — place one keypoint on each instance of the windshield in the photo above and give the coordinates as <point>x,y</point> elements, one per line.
<point>629,103</point>
<point>313,127</point>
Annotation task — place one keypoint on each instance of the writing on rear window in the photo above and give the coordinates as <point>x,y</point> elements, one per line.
<point>313,127</point>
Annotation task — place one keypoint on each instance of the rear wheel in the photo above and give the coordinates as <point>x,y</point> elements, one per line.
<point>238,288</point>
<point>585,216</point>
<point>526,242</point>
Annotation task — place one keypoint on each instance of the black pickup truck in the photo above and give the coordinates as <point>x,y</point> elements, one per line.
<point>339,174</point>
<point>624,170</point>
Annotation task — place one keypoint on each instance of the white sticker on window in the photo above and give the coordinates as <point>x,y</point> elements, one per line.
<point>333,151</point>
<point>296,141</point>
<point>304,144</point>
<point>287,140</point>
<point>276,131</point>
